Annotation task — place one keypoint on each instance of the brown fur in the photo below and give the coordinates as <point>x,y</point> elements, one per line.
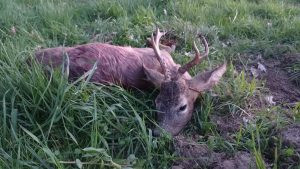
<point>116,64</point>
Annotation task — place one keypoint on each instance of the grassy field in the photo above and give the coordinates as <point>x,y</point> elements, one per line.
<point>48,122</point>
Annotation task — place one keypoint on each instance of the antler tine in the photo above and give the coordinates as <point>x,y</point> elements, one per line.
<point>155,45</point>
<point>206,48</point>
<point>198,57</point>
<point>158,36</point>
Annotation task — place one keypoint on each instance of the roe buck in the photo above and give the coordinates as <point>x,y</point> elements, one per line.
<point>139,68</point>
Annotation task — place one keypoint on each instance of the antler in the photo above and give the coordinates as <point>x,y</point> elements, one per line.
<point>198,57</point>
<point>155,45</point>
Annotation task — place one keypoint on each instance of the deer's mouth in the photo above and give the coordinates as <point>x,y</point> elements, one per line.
<point>170,129</point>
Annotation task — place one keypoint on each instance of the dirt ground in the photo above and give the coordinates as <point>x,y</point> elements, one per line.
<point>277,80</point>
<point>290,136</point>
<point>279,83</point>
<point>195,155</point>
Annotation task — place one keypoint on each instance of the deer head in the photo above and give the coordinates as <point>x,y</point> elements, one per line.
<point>178,91</point>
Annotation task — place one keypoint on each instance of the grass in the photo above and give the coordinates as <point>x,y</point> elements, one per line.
<point>48,122</point>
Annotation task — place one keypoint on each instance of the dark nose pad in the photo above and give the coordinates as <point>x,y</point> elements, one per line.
<point>156,132</point>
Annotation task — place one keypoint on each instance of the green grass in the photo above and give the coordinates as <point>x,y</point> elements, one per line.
<point>48,122</point>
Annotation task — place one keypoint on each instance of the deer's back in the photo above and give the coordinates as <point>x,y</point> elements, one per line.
<point>117,65</point>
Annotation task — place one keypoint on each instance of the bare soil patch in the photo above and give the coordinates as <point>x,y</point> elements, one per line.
<point>290,136</point>
<point>241,160</point>
<point>280,85</point>
<point>227,124</point>
<point>195,155</point>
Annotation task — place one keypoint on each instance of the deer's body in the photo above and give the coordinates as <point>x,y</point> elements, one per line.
<point>116,64</point>
<point>141,68</point>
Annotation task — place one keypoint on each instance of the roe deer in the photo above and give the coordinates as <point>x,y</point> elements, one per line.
<point>139,68</point>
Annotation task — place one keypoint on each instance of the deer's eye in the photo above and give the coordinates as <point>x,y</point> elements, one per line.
<point>182,108</point>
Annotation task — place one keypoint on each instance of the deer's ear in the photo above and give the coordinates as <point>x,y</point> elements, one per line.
<point>206,80</point>
<point>153,76</point>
